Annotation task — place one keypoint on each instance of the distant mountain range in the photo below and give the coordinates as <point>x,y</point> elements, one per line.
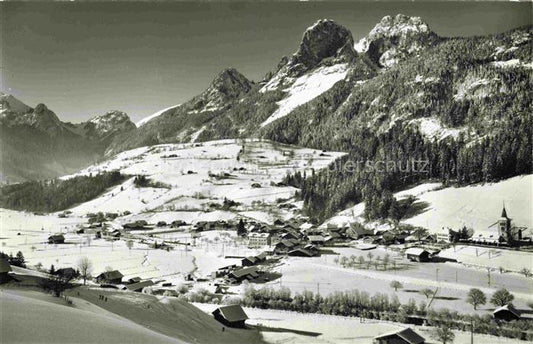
<point>36,144</point>
<point>327,95</point>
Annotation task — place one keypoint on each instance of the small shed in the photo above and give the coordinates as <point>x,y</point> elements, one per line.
<point>56,239</point>
<point>110,277</point>
<point>417,254</point>
<point>5,268</point>
<point>506,313</point>
<point>405,336</point>
<point>231,316</point>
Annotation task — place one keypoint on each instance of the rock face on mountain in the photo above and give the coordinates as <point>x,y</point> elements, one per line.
<point>325,39</point>
<point>394,39</point>
<point>227,86</point>
<point>104,126</point>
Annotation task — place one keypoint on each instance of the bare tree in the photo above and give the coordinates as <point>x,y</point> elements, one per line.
<point>426,292</point>
<point>396,285</point>
<point>85,267</point>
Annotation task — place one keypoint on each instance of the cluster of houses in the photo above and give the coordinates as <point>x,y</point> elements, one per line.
<point>248,271</point>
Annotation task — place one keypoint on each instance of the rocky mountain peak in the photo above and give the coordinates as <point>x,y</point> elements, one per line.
<point>8,103</point>
<point>231,82</point>
<point>111,122</point>
<point>324,39</point>
<point>399,25</point>
<point>226,87</point>
<point>396,38</point>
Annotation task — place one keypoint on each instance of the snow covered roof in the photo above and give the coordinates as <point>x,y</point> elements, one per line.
<point>508,308</point>
<point>232,313</point>
<point>417,251</point>
<point>407,334</point>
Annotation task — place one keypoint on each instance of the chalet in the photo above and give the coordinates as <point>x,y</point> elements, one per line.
<point>240,275</point>
<point>110,277</point>
<point>231,316</point>
<point>258,240</point>
<point>56,239</point>
<point>417,254</point>
<point>5,268</point>
<point>506,313</point>
<point>301,252</point>
<point>405,336</point>
<point>316,239</point>
<point>357,231</point>
<point>138,287</point>
<point>134,280</point>
<point>284,246</point>
<point>249,261</point>
<point>68,273</point>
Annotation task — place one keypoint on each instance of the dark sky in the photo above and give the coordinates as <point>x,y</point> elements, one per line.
<point>82,59</point>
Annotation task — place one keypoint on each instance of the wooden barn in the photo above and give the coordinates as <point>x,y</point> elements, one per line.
<point>506,313</point>
<point>56,239</point>
<point>110,277</point>
<point>405,336</point>
<point>417,254</point>
<point>231,316</point>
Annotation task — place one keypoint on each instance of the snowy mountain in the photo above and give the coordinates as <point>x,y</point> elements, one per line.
<point>104,126</point>
<point>394,39</point>
<point>37,144</point>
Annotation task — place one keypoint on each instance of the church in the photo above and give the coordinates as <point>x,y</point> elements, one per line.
<point>501,231</point>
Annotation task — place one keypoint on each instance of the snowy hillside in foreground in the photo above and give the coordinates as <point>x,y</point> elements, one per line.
<point>476,206</point>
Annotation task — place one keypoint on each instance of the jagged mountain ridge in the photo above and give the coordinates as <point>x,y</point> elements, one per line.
<point>37,144</point>
<point>327,59</point>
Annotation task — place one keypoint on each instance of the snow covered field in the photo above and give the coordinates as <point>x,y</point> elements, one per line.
<point>298,328</point>
<point>324,275</point>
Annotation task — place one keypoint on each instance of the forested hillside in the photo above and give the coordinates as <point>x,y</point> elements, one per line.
<point>56,194</point>
<point>453,106</point>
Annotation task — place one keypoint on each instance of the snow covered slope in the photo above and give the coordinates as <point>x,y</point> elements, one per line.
<point>157,114</point>
<point>193,175</point>
<point>308,87</point>
<point>476,206</point>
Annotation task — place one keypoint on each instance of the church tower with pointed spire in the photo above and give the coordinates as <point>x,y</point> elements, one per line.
<point>504,224</point>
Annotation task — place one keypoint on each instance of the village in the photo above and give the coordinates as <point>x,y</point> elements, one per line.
<point>218,228</point>
<point>259,254</point>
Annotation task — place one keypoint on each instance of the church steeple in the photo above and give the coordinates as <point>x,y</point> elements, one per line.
<point>504,212</point>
